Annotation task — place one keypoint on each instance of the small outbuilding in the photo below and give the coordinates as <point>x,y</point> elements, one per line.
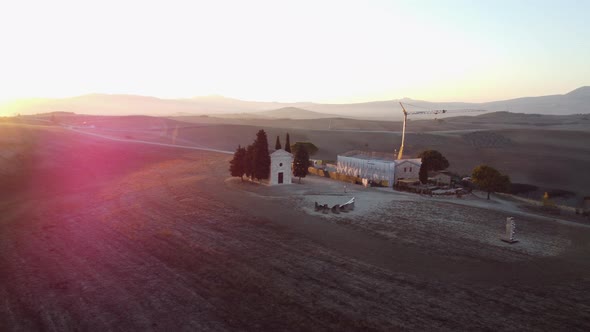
<point>281,167</point>
<point>441,178</point>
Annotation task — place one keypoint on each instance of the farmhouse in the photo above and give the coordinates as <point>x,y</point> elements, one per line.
<point>442,177</point>
<point>377,166</point>
<point>281,163</point>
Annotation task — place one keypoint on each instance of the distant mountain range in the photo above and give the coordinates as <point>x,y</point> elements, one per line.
<point>574,102</point>
<point>293,113</point>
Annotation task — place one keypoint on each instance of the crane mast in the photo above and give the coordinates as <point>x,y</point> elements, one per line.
<point>401,148</point>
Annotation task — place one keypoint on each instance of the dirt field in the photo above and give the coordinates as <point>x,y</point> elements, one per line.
<point>550,152</point>
<point>109,235</point>
<point>468,228</point>
<point>547,151</point>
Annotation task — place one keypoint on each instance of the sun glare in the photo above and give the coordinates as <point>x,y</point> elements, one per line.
<point>329,51</point>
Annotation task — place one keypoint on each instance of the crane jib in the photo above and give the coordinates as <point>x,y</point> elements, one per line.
<point>406,113</point>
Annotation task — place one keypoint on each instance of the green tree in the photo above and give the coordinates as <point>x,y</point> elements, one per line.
<point>249,161</point>
<point>433,160</point>
<point>278,144</point>
<point>423,174</point>
<point>288,144</point>
<point>301,163</point>
<point>237,166</point>
<point>489,179</point>
<point>310,147</point>
<point>261,156</point>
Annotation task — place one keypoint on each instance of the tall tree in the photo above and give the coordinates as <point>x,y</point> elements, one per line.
<point>310,147</point>
<point>288,144</point>
<point>433,160</point>
<point>278,143</point>
<point>249,161</point>
<point>423,174</point>
<point>301,163</point>
<point>237,166</point>
<point>261,156</point>
<point>489,179</point>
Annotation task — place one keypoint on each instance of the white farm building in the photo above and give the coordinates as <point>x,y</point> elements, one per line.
<point>377,166</point>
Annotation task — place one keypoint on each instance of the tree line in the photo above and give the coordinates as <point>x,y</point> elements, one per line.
<point>485,177</point>
<point>253,161</point>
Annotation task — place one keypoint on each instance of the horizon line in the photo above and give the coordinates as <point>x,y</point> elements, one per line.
<point>220,96</point>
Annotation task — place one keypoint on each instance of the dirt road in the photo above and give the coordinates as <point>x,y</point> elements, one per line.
<point>111,138</point>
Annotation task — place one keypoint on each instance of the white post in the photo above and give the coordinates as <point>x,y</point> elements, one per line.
<point>510,230</point>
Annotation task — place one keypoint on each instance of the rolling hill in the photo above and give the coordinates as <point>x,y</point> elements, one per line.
<point>547,151</point>
<point>574,102</point>
<point>295,114</point>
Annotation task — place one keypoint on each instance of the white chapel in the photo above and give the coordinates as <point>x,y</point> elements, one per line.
<point>281,168</point>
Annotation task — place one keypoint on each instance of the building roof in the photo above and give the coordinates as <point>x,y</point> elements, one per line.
<point>415,161</point>
<point>435,173</point>
<point>380,157</point>
<point>369,155</point>
<point>281,153</point>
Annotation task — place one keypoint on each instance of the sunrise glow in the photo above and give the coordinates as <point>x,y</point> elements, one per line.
<point>327,51</point>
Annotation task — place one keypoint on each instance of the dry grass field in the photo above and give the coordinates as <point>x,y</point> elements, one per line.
<point>550,152</point>
<point>104,235</point>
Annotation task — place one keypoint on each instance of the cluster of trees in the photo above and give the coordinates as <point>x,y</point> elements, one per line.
<point>310,147</point>
<point>485,177</point>
<point>432,160</point>
<point>301,163</point>
<point>490,179</point>
<point>253,160</point>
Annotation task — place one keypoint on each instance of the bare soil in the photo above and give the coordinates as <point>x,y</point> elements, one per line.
<point>109,235</point>
<point>549,152</point>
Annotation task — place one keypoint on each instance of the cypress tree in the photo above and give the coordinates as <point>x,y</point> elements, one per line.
<point>278,143</point>
<point>249,161</point>
<point>237,166</point>
<point>261,156</point>
<point>288,144</point>
<point>423,174</point>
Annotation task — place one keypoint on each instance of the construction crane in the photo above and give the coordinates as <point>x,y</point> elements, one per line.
<point>406,113</point>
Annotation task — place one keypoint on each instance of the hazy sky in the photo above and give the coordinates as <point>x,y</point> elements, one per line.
<point>324,51</point>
